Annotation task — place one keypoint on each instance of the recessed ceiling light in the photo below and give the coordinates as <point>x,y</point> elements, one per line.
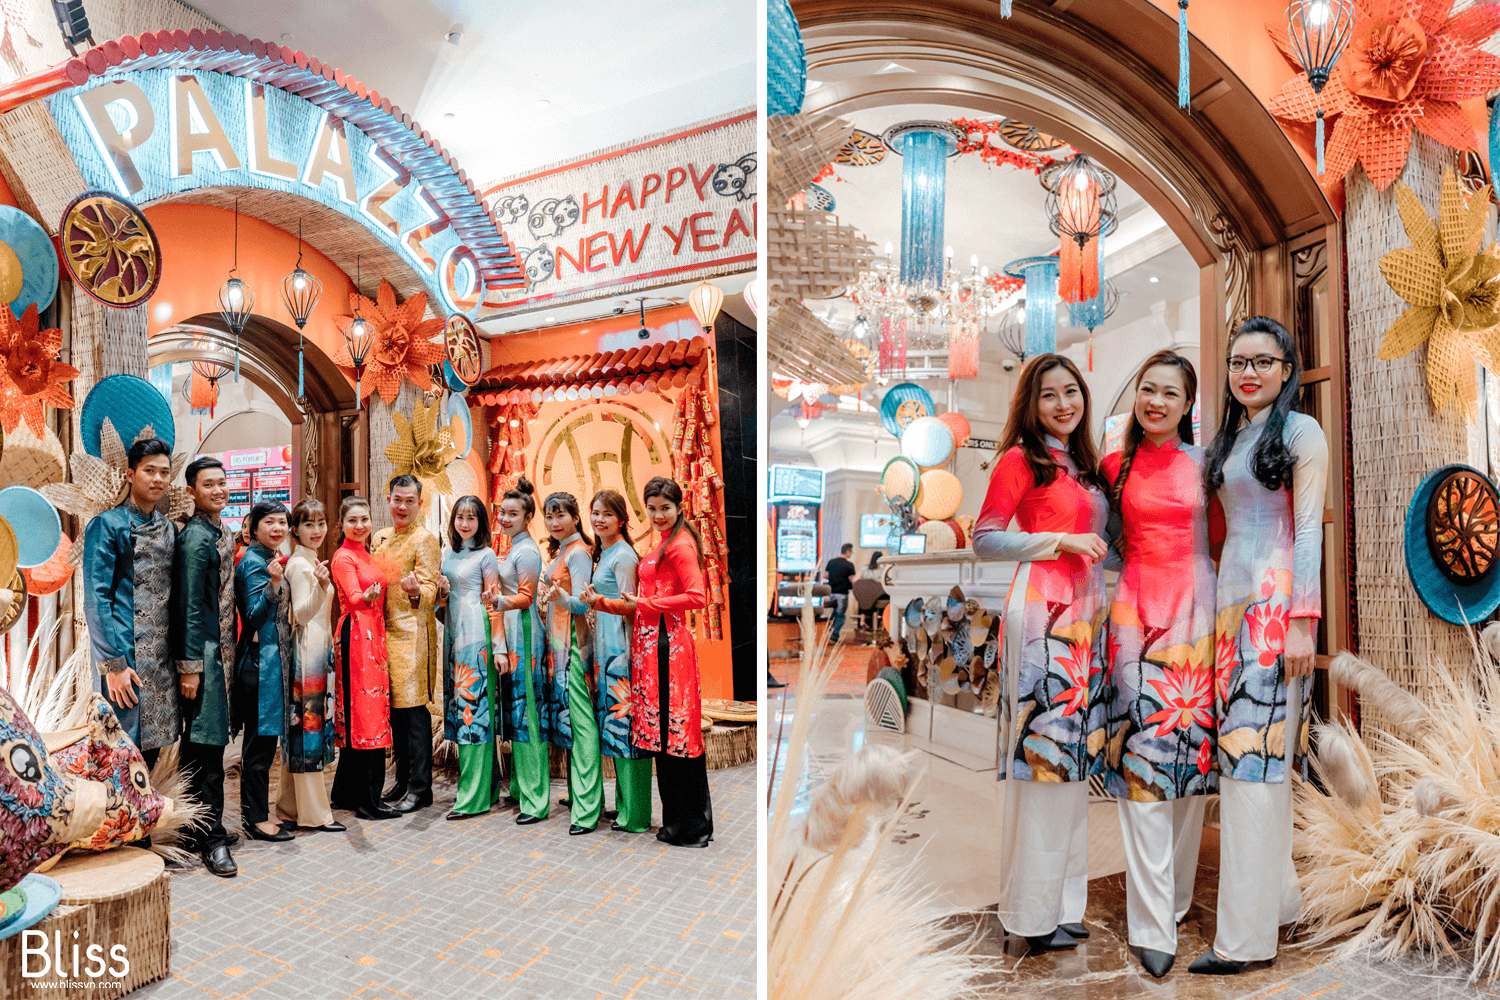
<point>449,115</point>
<point>542,103</point>
<point>286,36</point>
<point>1154,279</point>
<point>455,34</point>
<point>551,319</point>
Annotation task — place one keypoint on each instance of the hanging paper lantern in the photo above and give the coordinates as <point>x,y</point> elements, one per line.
<point>1080,209</point>
<point>958,424</point>
<point>1041,301</point>
<point>1091,313</point>
<point>1318,31</point>
<point>927,441</point>
<point>924,147</point>
<point>941,494</point>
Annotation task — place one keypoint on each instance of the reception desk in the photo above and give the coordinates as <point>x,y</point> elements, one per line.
<point>935,574</point>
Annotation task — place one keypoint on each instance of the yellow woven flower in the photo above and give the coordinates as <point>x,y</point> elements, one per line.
<point>423,447</point>
<point>1452,288</point>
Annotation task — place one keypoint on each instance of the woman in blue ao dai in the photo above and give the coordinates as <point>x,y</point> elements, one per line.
<point>1267,469</point>
<point>472,656</point>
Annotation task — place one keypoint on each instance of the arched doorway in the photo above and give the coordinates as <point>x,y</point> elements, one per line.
<point>1224,178</point>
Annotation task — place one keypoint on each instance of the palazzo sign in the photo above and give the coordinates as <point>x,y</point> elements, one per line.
<point>672,208</point>
<point>152,133</point>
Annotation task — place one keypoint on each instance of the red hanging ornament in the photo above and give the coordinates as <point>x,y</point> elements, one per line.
<point>1081,206</point>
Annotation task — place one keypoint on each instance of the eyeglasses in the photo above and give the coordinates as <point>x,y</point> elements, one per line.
<point>1262,363</point>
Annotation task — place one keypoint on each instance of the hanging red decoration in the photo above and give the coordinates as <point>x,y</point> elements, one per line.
<point>1081,206</point>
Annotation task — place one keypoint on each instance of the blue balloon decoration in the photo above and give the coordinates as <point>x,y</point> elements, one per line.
<point>786,60</point>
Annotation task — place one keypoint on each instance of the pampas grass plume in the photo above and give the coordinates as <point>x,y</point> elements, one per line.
<point>1402,708</point>
<point>878,776</point>
<point>1431,796</point>
<point>1345,765</point>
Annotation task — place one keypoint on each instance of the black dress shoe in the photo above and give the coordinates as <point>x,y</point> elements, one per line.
<point>620,829</point>
<point>381,813</point>
<point>577,831</point>
<point>1058,940</point>
<point>411,803</point>
<point>1210,964</point>
<point>1076,930</point>
<point>1158,963</point>
<point>510,800</point>
<point>288,826</point>
<point>610,813</point>
<point>455,814</point>
<point>334,827</point>
<point>219,862</point>
<point>396,794</point>
<point>522,819</point>
<point>256,833</point>
<point>772,683</point>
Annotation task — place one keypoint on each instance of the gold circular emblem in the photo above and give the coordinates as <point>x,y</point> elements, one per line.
<point>110,249</point>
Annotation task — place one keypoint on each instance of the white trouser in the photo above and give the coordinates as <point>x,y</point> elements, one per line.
<point>1161,861</point>
<point>1257,881</point>
<point>1049,875</point>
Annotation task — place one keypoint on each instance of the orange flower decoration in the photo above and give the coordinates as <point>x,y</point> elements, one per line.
<point>32,375</point>
<point>403,342</point>
<point>1408,65</point>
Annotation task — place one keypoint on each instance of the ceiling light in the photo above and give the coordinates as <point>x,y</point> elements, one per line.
<point>1154,279</point>
<point>542,103</point>
<point>551,319</point>
<point>455,34</point>
<point>449,115</point>
<point>286,36</point>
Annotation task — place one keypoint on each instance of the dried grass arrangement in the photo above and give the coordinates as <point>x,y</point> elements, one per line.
<point>842,924</point>
<point>1404,855</point>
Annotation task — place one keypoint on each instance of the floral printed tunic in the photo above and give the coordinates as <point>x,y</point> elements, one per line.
<point>570,643</point>
<point>468,646</point>
<point>1054,711</point>
<point>525,636</point>
<point>362,683</point>
<point>1268,575</point>
<point>670,585</point>
<point>1159,654</point>
<point>309,737</point>
<point>615,575</point>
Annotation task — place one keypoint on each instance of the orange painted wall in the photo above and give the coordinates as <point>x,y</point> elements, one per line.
<point>1236,32</point>
<point>198,249</point>
<point>714,656</point>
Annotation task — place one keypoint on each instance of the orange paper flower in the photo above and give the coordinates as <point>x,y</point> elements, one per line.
<point>1408,65</point>
<point>403,345</point>
<point>32,374</point>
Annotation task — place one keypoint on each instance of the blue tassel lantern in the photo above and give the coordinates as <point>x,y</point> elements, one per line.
<point>1318,31</point>
<point>1184,82</point>
<point>786,60</point>
<point>1005,8</point>
<point>924,147</point>
<point>1040,274</point>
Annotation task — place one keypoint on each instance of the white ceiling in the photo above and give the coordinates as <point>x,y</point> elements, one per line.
<point>611,70</point>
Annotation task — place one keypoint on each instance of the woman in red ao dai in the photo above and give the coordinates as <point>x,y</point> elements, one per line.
<point>1051,722</point>
<point>1158,659</point>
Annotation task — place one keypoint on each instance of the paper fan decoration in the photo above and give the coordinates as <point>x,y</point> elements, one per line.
<point>1453,290</point>
<point>403,343</point>
<point>32,374</point>
<point>99,483</point>
<point>28,460</point>
<point>1408,65</point>
<point>423,447</point>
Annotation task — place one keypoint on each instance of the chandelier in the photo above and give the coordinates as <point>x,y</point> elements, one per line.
<point>926,317</point>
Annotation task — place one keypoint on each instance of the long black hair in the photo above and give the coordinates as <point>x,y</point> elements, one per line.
<point>668,490</point>
<point>568,504</point>
<point>1024,427</point>
<point>1272,461</point>
<point>1135,433</point>
<point>481,539</point>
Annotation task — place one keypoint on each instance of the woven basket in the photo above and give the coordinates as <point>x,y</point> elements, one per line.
<point>117,897</point>
<point>729,744</point>
<point>31,461</point>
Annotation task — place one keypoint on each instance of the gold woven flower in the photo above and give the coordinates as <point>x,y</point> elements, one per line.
<point>423,447</point>
<point>1452,288</point>
<point>99,483</point>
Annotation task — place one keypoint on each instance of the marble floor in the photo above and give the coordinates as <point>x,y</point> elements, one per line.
<point>948,839</point>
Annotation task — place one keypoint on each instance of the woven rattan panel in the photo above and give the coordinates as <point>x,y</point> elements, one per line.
<point>383,433</point>
<point>1397,441</point>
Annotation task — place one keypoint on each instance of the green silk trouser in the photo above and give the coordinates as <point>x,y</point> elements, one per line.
<point>633,793</point>
<point>531,779</point>
<point>586,773</point>
<point>478,789</point>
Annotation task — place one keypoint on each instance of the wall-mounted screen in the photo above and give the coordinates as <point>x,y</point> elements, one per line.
<point>796,482</point>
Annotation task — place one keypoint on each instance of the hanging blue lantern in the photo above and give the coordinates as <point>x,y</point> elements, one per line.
<point>924,147</point>
<point>1040,274</point>
<point>786,60</point>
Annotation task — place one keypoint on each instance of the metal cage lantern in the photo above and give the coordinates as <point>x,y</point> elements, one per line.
<point>1318,31</point>
<point>300,292</point>
<point>210,370</point>
<point>359,337</point>
<point>236,303</point>
<point>1080,209</point>
<point>1012,329</point>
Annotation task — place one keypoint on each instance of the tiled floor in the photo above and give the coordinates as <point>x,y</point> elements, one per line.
<point>422,908</point>
<point>948,839</point>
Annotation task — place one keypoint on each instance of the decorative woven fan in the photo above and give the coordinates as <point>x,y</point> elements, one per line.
<point>1454,291</point>
<point>99,484</point>
<point>1408,65</point>
<point>32,374</point>
<point>812,256</point>
<point>423,447</point>
<point>800,147</point>
<point>403,347</point>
